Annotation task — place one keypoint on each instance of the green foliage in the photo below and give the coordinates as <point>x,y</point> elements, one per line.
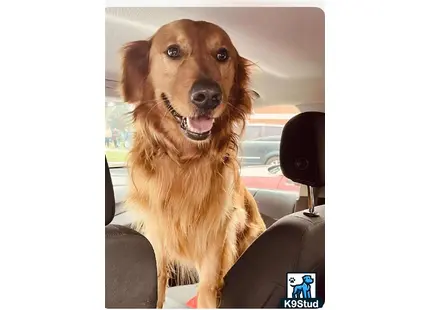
<point>118,116</point>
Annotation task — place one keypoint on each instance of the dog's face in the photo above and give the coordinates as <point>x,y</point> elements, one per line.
<point>188,79</point>
<point>308,279</point>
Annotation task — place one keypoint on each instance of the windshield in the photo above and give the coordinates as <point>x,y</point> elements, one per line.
<point>258,149</point>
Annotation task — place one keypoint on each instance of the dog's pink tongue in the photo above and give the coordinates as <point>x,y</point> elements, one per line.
<point>200,124</point>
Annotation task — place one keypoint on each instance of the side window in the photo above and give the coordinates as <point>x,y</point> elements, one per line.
<point>118,131</point>
<point>251,133</point>
<point>272,131</point>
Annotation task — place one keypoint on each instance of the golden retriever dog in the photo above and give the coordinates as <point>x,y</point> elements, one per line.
<point>190,88</point>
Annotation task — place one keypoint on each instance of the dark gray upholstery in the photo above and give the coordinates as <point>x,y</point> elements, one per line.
<point>131,273</point>
<point>109,196</point>
<point>130,268</point>
<point>294,243</point>
<point>273,203</point>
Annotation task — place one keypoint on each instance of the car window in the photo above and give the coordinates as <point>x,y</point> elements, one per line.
<point>269,138</point>
<point>118,131</point>
<point>256,153</point>
<point>251,132</point>
<point>273,130</point>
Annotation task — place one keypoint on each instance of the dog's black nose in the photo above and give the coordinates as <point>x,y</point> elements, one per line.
<point>206,94</point>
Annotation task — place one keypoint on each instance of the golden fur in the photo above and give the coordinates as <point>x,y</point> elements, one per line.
<point>191,202</point>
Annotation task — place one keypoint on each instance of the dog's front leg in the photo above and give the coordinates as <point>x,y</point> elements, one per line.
<point>209,273</point>
<point>162,277</point>
<point>162,283</point>
<point>212,270</point>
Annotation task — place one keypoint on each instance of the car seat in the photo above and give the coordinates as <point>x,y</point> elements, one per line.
<point>294,243</point>
<point>130,268</point>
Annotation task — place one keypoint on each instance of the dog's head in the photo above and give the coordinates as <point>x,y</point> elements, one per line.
<point>308,279</point>
<point>188,82</point>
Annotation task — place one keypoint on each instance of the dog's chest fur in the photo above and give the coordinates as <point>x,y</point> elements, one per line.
<point>186,207</point>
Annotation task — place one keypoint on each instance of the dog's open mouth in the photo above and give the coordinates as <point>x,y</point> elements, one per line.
<point>196,128</point>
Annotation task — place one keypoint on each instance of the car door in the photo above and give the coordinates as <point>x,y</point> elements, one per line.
<point>249,154</point>
<point>272,130</point>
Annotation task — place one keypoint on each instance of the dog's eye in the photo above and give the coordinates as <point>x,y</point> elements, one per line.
<point>173,51</point>
<point>222,54</point>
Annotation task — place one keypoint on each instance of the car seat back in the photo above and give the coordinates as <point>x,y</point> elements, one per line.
<point>131,272</point>
<point>109,196</point>
<point>294,243</point>
<point>130,268</point>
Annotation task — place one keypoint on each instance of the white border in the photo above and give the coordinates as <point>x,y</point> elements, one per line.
<point>52,60</point>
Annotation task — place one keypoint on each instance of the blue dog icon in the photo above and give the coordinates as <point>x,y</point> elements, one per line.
<point>303,290</point>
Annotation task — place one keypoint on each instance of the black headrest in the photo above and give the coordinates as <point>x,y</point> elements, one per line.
<point>109,196</point>
<point>130,270</point>
<point>302,149</point>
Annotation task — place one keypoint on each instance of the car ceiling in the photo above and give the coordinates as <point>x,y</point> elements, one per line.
<point>286,44</point>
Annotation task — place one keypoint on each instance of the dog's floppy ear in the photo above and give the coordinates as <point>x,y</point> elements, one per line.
<point>135,69</point>
<point>240,94</point>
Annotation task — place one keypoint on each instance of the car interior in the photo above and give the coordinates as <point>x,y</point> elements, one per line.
<point>289,70</point>
<point>294,241</point>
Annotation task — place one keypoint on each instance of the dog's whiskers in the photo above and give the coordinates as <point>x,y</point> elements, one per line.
<point>232,106</point>
<point>156,104</point>
<point>165,114</point>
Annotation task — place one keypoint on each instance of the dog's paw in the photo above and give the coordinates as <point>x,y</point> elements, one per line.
<point>292,280</point>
